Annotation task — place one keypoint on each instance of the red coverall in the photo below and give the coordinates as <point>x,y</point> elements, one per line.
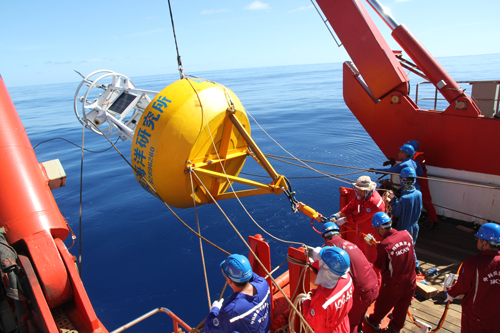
<point>364,279</point>
<point>396,260</point>
<point>479,281</point>
<point>424,188</point>
<point>327,309</point>
<point>359,216</point>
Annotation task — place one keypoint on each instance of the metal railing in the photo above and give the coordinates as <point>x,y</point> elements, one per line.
<point>486,95</point>
<point>176,320</point>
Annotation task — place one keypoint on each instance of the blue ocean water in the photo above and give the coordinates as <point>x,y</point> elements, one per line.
<point>136,256</point>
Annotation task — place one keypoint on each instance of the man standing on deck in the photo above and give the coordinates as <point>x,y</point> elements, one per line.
<point>479,281</point>
<point>396,260</point>
<point>358,213</point>
<point>248,309</point>
<point>405,154</point>
<point>326,307</point>
<point>363,276</point>
<point>408,207</point>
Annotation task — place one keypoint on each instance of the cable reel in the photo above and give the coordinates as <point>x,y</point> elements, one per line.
<point>113,99</point>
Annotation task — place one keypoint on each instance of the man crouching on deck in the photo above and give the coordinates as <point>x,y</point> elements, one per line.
<point>248,309</point>
<point>326,308</point>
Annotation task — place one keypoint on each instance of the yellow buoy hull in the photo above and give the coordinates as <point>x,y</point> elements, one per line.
<point>185,125</point>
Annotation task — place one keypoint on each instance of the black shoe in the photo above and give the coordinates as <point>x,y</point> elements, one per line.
<point>390,329</point>
<point>435,226</point>
<point>419,270</point>
<point>374,327</point>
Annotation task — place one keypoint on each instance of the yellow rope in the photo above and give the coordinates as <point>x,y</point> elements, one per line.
<point>255,256</point>
<point>291,317</point>
<point>201,243</point>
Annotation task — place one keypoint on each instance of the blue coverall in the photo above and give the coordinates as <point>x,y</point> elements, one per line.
<point>243,313</point>
<point>408,209</point>
<point>408,162</point>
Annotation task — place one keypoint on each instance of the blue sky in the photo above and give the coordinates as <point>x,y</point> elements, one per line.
<point>44,41</point>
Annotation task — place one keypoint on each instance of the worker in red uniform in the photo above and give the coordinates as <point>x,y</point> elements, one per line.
<point>326,307</point>
<point>396,260</point>
<point>479,281</point>
<point>363,276</point>
<point>358,213</point>
<point>424,186</point>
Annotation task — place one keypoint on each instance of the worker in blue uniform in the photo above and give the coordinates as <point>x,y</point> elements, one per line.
<point>405,155</point>
<point>409,206</point>
<point>248,309</point>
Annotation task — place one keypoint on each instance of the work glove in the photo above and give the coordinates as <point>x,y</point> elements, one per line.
<point>391,161</point>
<point>309,250</point>
<point>218,304</point>
<point>307,297</point>
<point>341,221</point>
<point>370,240</point>
<point>333,217</point>
<point>449,298</point>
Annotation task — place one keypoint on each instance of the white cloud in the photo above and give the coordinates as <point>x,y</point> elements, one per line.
<point>214,11</point>
<point>403,0</point>
<point>301,8</point>
<point>257,5</point>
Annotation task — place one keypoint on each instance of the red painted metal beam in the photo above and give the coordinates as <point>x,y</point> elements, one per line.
<point>34,225</point>
<point>367,48</point>
<point>27,202</point>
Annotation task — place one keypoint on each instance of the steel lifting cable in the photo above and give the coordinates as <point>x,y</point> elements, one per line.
<point>329,175</point>
<point>279,158</point>
<point>392,173</point>
<point>231,106</point>
<point>179,62</point>
<point>286,151</point>
<point>201,243</point>
<point>257,258</point>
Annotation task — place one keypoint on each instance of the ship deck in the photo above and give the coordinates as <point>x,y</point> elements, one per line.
<point>445,250</point>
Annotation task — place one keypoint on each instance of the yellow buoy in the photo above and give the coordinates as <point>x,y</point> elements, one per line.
<point>187,125</point>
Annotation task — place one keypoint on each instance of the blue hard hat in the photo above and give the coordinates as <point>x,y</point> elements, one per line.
<point>414,144</point>
<point>237,268</point>
<point>408,172</point>
<point>330,227</point>
<point>408,149</point>
<point>489,232</point>
<point>380,218</point>
<point>336,259</point>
